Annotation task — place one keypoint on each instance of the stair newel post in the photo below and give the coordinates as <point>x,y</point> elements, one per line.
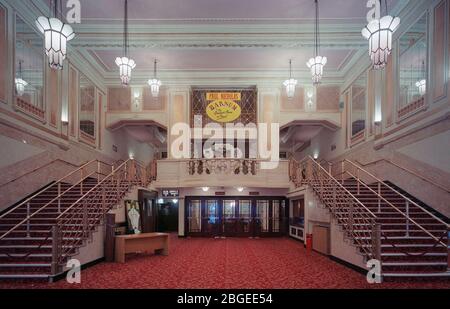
<point>59,197</point>
<point>55,249</point>
<point>407,219</point>
<point>342,171</point>
<point>28,219</point>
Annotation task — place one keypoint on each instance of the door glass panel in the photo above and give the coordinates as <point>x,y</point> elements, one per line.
<point>229,207</point>
<point>211,211</point>
<point>194,216</point>
<point>244,208</point>
<point>263,214</point>
<point>275,216</point>
<point>245,215</point>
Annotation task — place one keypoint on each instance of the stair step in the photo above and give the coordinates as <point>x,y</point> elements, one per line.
<point>400,254</point>
<point>417,274</point>
<point>9,265</point>
<point>414,264</point>
<point>24,276</point>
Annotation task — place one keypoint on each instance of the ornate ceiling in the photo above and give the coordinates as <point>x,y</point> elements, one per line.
<point>221,41</point>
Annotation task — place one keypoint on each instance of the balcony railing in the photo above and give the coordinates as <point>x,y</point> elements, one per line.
<point>222,166</point>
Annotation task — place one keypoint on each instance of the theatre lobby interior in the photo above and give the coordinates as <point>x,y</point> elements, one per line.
<point>225,144</point>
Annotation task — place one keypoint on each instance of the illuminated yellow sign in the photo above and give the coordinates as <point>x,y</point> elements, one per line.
<point>213,96</point>
<point>223,107</point>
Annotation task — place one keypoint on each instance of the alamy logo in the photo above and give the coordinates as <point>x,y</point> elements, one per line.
<point>375,10</point>
<point>374,274</point>
<point>73,15</point>
<point>74,273</point>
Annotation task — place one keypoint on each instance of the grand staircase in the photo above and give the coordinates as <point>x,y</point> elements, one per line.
<point>39,235</point>
<point>384,224</point>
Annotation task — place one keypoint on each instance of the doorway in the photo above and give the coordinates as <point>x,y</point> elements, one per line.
<point>236,216</point>
<point>167,219</point>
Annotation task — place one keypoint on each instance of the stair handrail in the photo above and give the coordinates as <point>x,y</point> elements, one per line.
<point>98,188</point>
<point>341,194</point>
<point>112,174</point>
<point>399,193</point>
<point>342,187</point>
<point>380,197</point>
<point>434,183</point>
<point>42,208</point>
<point>47,188</point>
<point>39,168</point>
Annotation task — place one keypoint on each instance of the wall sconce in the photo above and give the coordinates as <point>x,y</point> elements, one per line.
<point>136,96</point>
<point>240,189</point>
<point>175,200</point>
<point>309,97</point>
<point>316,155</point>
<point>205,189</point>
<point>131,156</point>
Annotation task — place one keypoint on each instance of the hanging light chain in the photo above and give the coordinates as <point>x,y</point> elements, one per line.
<point>125,30</point>
<point>316,35</point>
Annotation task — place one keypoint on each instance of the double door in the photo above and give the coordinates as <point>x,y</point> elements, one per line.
<point>235,216</point>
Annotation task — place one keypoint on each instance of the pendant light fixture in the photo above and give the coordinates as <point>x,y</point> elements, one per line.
<point>290,83</point>
<point>379,33</point>
<point>317,63</point>
<point>125,63</point>
<point>20,83</point>
<point>154,83</point>
<point>56,35</point>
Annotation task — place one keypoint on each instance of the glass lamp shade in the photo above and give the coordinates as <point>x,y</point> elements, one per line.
<point>154,86</point>
<point>290,87</point>
<point>316,66</point>
<point>422,85</point>
<point>56,35</point>
<point>125,66</point>
<point>379,33</point>
<point>20,86</point>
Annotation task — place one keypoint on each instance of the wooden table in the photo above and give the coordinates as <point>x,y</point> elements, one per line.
<point>146,242</point>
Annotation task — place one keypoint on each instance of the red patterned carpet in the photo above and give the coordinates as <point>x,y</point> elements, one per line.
<point>226,263</point>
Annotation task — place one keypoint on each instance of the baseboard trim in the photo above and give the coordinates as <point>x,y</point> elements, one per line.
<point>347,264</point>
<point>83,267</point>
